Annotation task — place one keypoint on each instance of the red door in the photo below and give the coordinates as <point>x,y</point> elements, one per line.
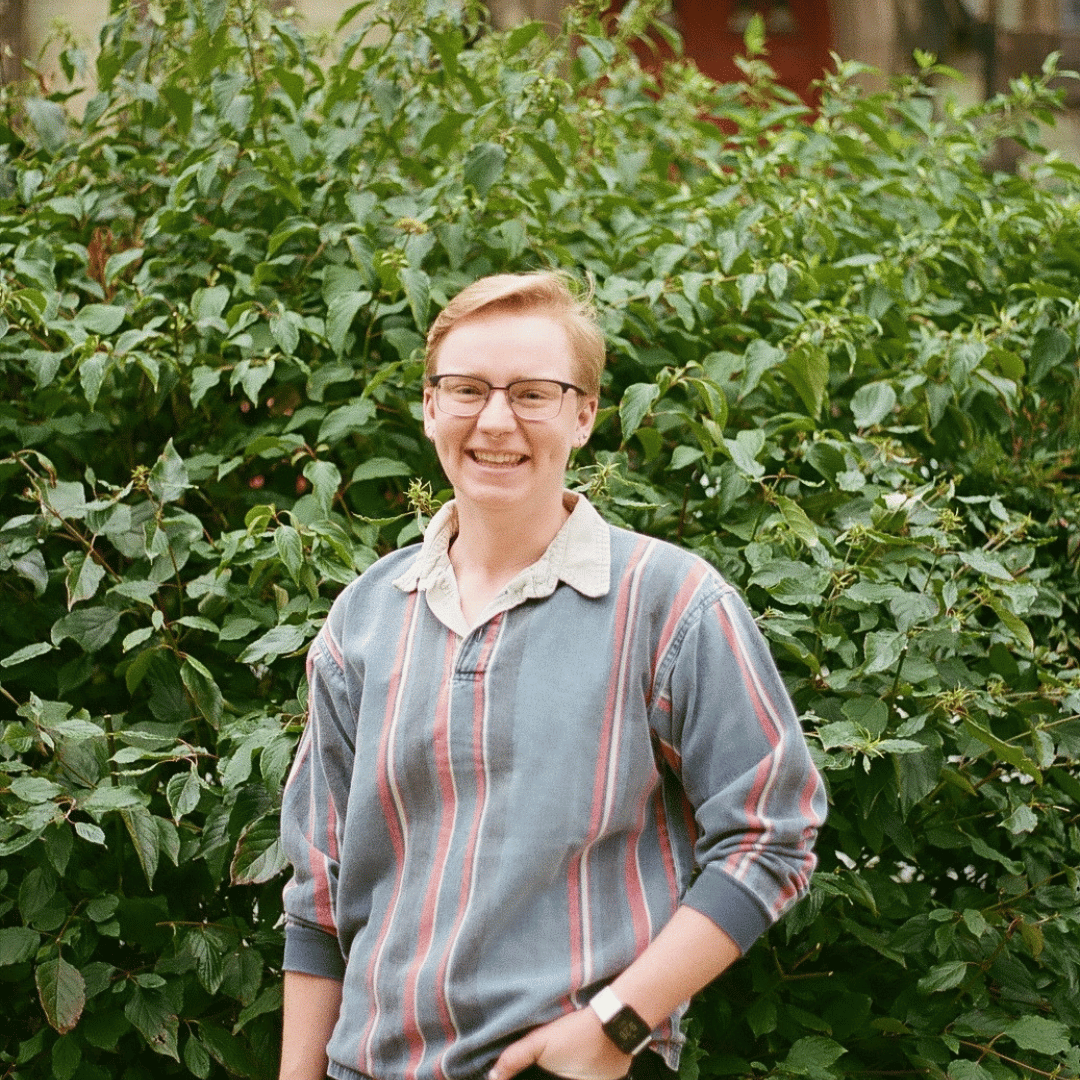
<point>798,36</point>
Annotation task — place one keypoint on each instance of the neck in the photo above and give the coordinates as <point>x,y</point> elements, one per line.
<point>499,545</point>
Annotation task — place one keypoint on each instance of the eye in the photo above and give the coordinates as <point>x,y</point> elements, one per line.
<point>535,393</point>
<point>463,389</point>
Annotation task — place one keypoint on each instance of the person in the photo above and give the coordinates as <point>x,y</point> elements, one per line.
<point>551,783</point>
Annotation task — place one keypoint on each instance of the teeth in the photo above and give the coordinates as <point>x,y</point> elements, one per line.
<point>497,459</point>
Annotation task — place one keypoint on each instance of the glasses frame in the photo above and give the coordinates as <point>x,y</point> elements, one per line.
<point>434,380</point>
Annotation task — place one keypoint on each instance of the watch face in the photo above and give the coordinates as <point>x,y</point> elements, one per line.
<point>627,1030</point>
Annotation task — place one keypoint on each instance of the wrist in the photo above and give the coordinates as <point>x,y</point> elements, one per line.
<point>622,1024</point>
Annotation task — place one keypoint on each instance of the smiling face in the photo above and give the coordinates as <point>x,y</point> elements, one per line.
<point>495,461</point>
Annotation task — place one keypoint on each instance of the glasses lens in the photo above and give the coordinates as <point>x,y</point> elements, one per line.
<point>461,396</point>
<point>536,399</point>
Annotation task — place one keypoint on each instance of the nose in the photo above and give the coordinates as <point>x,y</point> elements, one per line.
<point>496,415</point>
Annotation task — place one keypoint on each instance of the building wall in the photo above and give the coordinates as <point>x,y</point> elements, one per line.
<point>880,33</point>
<point>28,24</point>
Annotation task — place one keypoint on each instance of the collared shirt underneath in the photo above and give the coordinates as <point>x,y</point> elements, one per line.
<point>580,555</point>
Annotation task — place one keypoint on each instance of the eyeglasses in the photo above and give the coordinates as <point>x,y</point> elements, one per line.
<point>530,399</point>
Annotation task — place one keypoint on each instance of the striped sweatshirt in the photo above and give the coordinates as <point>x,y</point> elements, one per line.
<point>487,824</point>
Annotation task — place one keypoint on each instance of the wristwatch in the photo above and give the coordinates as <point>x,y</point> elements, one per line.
<point>621,1024</point>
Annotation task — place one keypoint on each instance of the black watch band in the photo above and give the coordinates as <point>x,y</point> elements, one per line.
<point>621,1024</point>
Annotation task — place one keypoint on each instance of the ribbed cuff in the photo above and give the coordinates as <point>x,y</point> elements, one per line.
<point>729,904</point>
<point>312,952</point>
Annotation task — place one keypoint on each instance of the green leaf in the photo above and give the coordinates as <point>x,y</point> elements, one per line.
<point>92,372</point>
<point>325,482</point>
<point>209,303</point>
<point>809,1056</point>
<point>797,520</point>
<point>749,286</point>
<point>17,944</point>
<point>942,977</point>
<point>744,450</point>
<point>31,567</point>
<point>259,854</point>
<point>102,908</point>
<point>146,838</point>
<point>196,1058</point>
<point>101,319</point>
<point>290,549</point>
<point>66,1056</point>
<point>963,1069</point>
<point>228,1049</point>
<point>985,564</point>
<point>90,832</point>
<point>377,468</point>
<point>417,286</point>
<point>84,575</point>
<point>203,379</point>
<point>34,789</point>
<point>206,950</point>
<point>279,641</point>
<point>92,628</point>
<point>169,478</point>
<point>27,652</point>
<point>1005,751</point>
<point>912,609</point>
<point>754,35</point>
<point>521,36</point>
<point>1022,820</point>
<point>484,166</point>
<point>807,370</point>
<point>342,422</point>
<point>1016,626</point>
<point>136,637</point>
<point>65,498</point>
<point>872,403</point>
<point>826,459</point>
<point>882,649</point>
<point>203,688</point>
<point>150,1013</point>
<point>269,1001</point>
<point>340,315</point>
<point>635,405</point>
<point>1050,349</point>
<point>252,375</point>
<point>1040,1034</point>
<point>183,791</point>
<point>682,456</point>
<point>48,122</point>
<point>119,262</point>
<point>62,992</point>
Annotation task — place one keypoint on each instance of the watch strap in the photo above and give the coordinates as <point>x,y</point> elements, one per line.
<point>622,1025</point>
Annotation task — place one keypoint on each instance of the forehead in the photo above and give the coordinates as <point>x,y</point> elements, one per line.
<point>507,346</point>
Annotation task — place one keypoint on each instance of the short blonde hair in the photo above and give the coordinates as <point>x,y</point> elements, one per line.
<point>540,292</point>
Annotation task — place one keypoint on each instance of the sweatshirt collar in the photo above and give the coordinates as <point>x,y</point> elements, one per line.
<point>580,556</point>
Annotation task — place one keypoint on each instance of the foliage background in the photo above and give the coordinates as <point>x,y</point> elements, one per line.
<point>843,368</point>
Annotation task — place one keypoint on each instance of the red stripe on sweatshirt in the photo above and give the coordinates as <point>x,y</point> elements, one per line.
<point>754,808</point>
<point>678,610</point>
<point>394,816</point>
<point>468,861</point>
<point>578,870</point>
<point>411,1027</point>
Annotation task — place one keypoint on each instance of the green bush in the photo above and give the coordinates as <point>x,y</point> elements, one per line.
<point>844,369</point>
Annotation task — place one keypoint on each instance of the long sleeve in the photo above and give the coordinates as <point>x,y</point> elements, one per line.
<point>313,816</point>
<point>745,769</point>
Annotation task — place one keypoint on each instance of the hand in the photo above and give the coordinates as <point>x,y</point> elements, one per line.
<point>573,1046</point>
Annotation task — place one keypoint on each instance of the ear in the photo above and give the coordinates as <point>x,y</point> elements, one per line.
<point>429,413</point>
<point>586,417</point>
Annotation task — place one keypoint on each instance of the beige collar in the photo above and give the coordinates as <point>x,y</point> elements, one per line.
<point>580,556</point>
